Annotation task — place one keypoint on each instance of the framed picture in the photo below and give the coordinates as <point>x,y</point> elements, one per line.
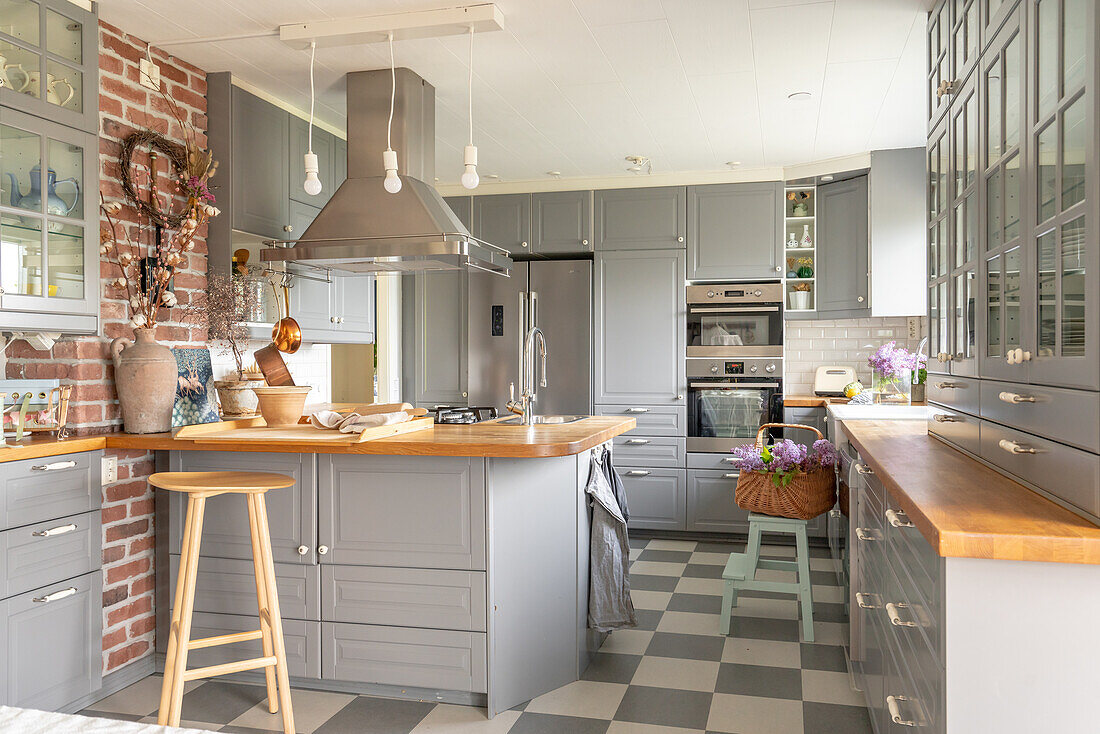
<point>196,400</point>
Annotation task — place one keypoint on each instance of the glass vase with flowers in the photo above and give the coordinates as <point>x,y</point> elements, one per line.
<point>892,373</point>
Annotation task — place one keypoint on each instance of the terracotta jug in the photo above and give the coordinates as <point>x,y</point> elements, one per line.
<point>145,378</point>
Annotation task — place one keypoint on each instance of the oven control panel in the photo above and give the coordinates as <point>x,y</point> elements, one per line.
<point>733,368</point>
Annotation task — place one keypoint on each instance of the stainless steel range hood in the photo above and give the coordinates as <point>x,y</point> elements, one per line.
<point>365,229</point>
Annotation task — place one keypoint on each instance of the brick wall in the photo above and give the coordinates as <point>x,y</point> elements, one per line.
<point>124,105</point>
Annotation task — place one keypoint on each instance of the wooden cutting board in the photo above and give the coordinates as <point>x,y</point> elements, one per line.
<point>254,430</point>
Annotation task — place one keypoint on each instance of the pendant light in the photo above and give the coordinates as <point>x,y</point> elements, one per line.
<point>392,183</point>
<point>312,184</point>
<point>470,179</point>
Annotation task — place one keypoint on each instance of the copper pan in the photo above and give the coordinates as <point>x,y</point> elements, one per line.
<point>286,335</point>
<point>271,364</point>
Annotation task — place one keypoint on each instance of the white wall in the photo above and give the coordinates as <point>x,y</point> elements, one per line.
<point>898,233</point>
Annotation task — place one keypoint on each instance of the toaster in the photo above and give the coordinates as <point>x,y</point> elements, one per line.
<point>829,381</point>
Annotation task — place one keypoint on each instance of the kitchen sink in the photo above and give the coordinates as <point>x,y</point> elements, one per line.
<point>545,419</point>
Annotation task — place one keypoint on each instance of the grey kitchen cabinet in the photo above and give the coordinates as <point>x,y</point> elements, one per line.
<point>228,586</point>
<point>939,281</point>
<point>435,337</point>
<point>463,207</point>
<point>561,223</point>
<point>300,216</point>
<point>504,220</point>
<point>39,554</point>
<point>815,417</point>
<point>405,597</point>
<point>961,248</point>
<point>631,450</point>
<point>939,60</point>
<point>292,512</point>
<point>651,420</point>
<point>37,490</point>
<point>842,264</point>
<point>339,163</point>
<point>640,329</point>
<point>302,640</point>
<point>735,231</point>
<point>641,219</point>
<point>656,498</point>
<point>324,147</point>
<point>259,178</point>
<point>710,503</point>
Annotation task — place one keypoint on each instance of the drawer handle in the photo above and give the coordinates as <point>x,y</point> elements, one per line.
<point>895,617</point>
<point>54,596</point>
<point>865,534</point>
<point>59,530</point>
<point>1015,448</point>
<point>1013,397</point>
<point>864,469</point>
<point>731,475</point>
<point>943,418</point>
<point>638,473</point>
<point>950,385</point>
<point>54,466</point>
<point>860,596</point>
<point>731,460</point>
<point>637,441</point>
<point>898,519</point>
<point>637,410</point>
<point>892,703</point>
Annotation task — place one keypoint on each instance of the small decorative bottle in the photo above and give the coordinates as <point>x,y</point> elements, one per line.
<point>807,242</point>
<point>792,243</point>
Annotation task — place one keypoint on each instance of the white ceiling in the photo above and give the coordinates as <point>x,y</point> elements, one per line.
<point>576,85</point>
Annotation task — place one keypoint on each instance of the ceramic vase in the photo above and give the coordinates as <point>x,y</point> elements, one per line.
<point>145,379</point>
<point>800,300</point>
<point>237,397</point>
<point>807,241</point>
<point>891,389</point>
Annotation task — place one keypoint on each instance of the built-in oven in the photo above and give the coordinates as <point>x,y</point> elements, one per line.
<point>737,320</point>
<point>729,399</point>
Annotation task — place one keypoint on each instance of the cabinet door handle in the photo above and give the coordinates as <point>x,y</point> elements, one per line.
<point>637,441</point>
<point>680,396</point>
<point>523,244</point>
<point>638,473</point>
<point>895,710</point>
<point>637,410</point>
<point>949,385</point>
<point>54,596</point>
<point>303,549</point>
<point>898,519</point>
<point>332,319</point>
<point>731,475</point>
<point>864,469</point>
<point>1016,448</point>
<point>860,597</point>
<point>584,242</point>
<point>860,299</point>
<point>322,550</point>
<point>1015,397</point>
<point>731,460</point>
<point>59,530</point>
<point>288,228</point>
<point>895,616</point>
<point>54,466</point>
<point>943,418</point>
<point>865,534</point>
<point>680,239</point>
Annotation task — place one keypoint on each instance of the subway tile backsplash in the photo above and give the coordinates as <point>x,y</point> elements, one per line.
<point>310,365</point>
<point>847,342</point>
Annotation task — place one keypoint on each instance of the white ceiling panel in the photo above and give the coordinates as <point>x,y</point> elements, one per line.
<point>850,101</point>
<point>608,12</point>
<point>890,20</point>
<point>727,103</point>
<point>712,36</point>
<point>904,114</point>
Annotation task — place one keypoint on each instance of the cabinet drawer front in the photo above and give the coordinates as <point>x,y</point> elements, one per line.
<point>407,597</point>
<point>912,558</point>
<point>710,503</point>
<point>911,616</point>
<point>228,586</point>
<point>49,552</point>
<point>656,498</point>
<point>302,639</point>
<point>653,420</point>
<point>635,450</point>
<point>403,511</point>
<point>440,659</point>
<point>954,427</point>
<point>35,490</point>
<point>1062,415</point>
<point>917,695</point>
<point>724,462</point>
<point>1067,473</point>
<point>52,647</point>
<point>960,393</point>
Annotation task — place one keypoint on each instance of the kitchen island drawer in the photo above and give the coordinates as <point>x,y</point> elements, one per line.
<point>228,586</point>
<point>959,429</point>
<point>1069,474</point>
<point>913,618</point>
<point>710,503</point>
<point>632,450</point>
<point>960,393</point>
<point>35,490</point>
<point>656,498</point>
<point>653,420</point>
<point>1068,416</point>
<point>911,702</point>
<point>48,552</point>
<point>404,656</point>
<point>302,640</point>
<point>911,557</point>
<point>405,597</point>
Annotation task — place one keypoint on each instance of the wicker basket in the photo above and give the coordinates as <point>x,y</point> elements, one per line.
<point>806,496</point>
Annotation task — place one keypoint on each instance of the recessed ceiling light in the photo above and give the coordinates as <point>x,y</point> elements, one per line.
<point>799,96</point>
<point>826,178</point>
<point>555,174</point>
<point>733,164</point>
<point>493,176</point>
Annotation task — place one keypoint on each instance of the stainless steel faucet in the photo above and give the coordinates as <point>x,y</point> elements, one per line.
<point>528,390</point>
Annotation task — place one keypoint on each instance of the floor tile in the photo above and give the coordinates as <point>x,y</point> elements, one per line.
<point>703,571</point>
<point>690,675</point>
<point>447,719</point>
<point>639,543</point>
<point>630,642</point>
<point>699,603</point>
<point>672,545</point>
<point>766,608</point>
<point>755,715</point>
<point>657,568</point>
<point>820,551</point>
<point>761,628</point>
<point>823,564</point>
<point>650,599</point>
<point>139,699</point>
<point>780,551</point>
<point>761,652</point>
<point>709,558</point>
<point>700,586</point>
<point>629,727</point>
<point>689,647</point>
<point>382,715</point>
<point>666,556</point>
<point>647,619</point>
<point>823,657</point>
<point>664,707</point>
<point>634,553</point>
<point>589,699</point>
<point>828,633</point>
<point>719,547</point>
<point>689,623</point>
<point>218,702</point>
<point>829,612</point>
<point>822,578</point>
<point>759,680</point>
<point>113,716</point>
<point>642,582</point>
<point>768,574</point>
<point>530,723</point>
<point>311,709</point>
<point>612,668</point>
<point>830,687</point>
<point>826,718</point>
<point>189,724</point>
<point>828,594</point>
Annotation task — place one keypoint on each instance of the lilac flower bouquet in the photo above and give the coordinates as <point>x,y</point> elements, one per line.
<point>892,370</point>
<point>785,459</point>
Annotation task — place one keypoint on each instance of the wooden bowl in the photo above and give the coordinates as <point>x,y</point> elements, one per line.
<point>282,406</point>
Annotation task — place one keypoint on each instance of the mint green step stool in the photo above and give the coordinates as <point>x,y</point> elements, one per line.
<point>740,571</point>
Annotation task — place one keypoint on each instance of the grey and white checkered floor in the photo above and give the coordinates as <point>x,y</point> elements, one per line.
<point>673,675</point>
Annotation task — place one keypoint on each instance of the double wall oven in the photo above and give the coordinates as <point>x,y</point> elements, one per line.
<point>734,363</point>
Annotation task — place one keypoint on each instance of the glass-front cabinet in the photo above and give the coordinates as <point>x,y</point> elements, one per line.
<point>49,60</point>
<point>962,253</point>
<point>939,238</point>
<point>49,271</point>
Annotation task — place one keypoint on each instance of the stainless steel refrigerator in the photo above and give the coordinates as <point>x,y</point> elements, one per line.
<point>564,314</point>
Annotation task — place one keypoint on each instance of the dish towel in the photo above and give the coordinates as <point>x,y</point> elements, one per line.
<point>354,422</point>
<point>609,603</point>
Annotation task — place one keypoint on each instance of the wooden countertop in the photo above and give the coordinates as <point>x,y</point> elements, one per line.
<point>485,439</point>
<point>965,509</point>
<point>810,401</point>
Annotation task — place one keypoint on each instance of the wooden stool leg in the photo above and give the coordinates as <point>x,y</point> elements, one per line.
<point>729,596</point>
<point>753,551</point>
<point>260,508</point>
<point>187,577</point>
<point>173,626</point>
<point>805,585</point>
<point>261,604</point>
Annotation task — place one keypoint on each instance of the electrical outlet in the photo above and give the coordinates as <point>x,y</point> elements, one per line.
<point>149,74</point>
<point>913,322</point>
<point>109,470</point>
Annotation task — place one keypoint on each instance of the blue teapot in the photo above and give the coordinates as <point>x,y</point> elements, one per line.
<point>32,200</point>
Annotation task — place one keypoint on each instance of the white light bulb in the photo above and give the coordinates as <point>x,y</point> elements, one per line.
<point>392,183</point>
<point>470,178</point>
<point>312,184</point>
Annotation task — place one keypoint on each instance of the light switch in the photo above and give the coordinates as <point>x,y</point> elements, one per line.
<point>497,321</point>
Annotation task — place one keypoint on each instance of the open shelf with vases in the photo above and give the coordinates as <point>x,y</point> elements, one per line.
<point>800,247</point>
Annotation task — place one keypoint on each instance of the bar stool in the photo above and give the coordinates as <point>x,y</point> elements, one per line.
<point>200,486</point>
<point>740,571</point>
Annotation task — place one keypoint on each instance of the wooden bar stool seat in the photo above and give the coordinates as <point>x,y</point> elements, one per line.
<point>200,486</point>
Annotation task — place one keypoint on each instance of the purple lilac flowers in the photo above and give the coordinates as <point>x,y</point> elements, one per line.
<point>750,458</point>
<point>893,362</point>
<point>786,458</point>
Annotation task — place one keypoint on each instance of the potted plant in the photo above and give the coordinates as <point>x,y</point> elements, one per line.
<point>805,267</point>
<point>892,369</point>
<point>920,379</point>
<point>225,307</point>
